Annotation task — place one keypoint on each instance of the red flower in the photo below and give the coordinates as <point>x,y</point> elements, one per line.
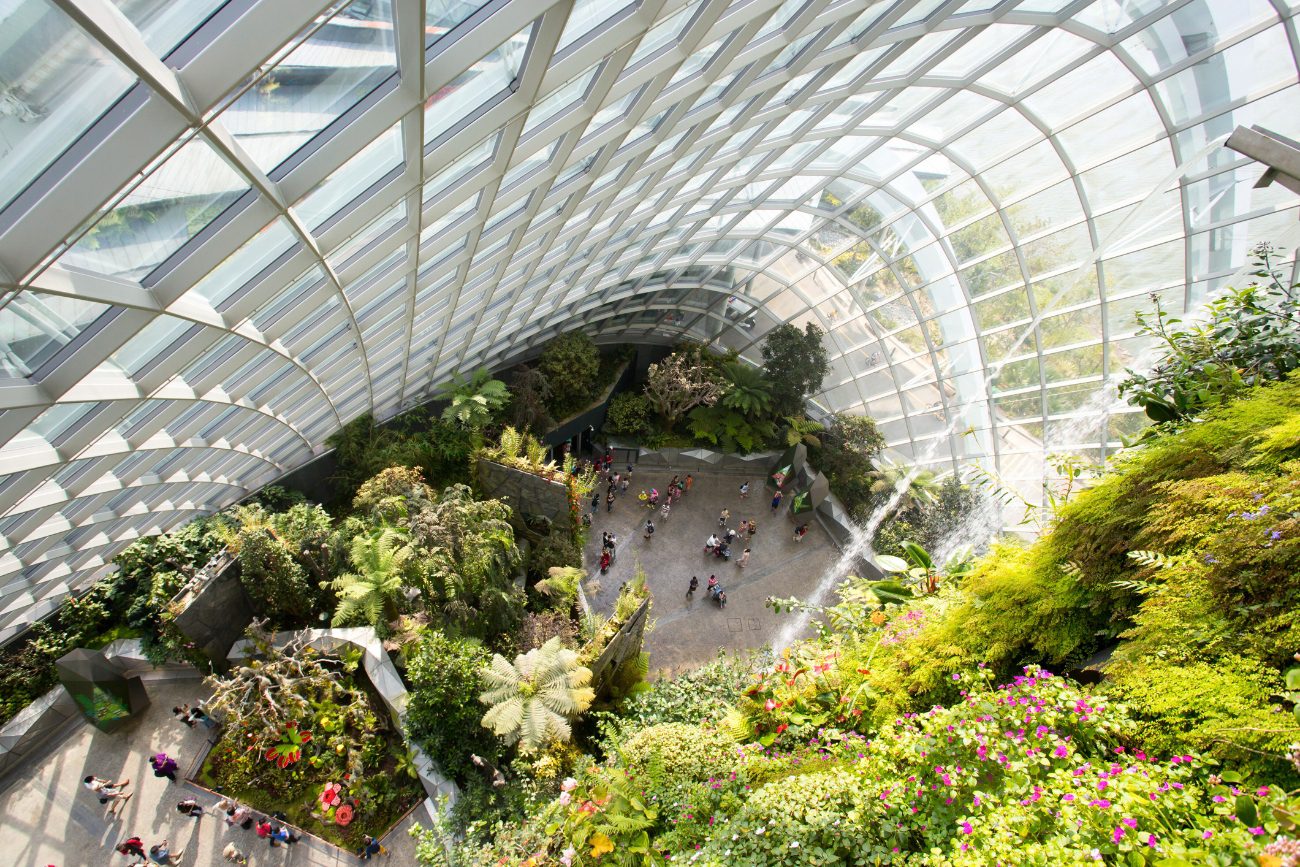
<point>343,815</point>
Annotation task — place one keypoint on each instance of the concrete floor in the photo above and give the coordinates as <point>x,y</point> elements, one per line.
<point>48,818</point>
<point>689,632</point>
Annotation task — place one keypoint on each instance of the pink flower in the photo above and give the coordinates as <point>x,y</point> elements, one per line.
<point>1152,840</point>
<point>569,784</point>
<point>1205,835</point>
<point>1130,823</point>
<point>565,798</point>
<point>1257,831</point>
<point>966,828</point>
<point>1117,834</point>
<point>1061,752</point>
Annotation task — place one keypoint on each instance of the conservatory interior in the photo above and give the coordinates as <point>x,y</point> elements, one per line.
<point>634,432</point>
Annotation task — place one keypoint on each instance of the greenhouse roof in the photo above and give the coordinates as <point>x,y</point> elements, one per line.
<point>228,228</point>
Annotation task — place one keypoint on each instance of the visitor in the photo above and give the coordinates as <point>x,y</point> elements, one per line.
<point>605,561</point>
<point>132,846</point>
<point>675,493</point>
<point>672,483</point>
<point>232,853</point>
<point>182,713</point>
<point>644,497</point>
<point>99,785</point>
<point>729,537</point>
<point>282,834</point>
<point>160,853</point>
<point>370,847</point>
<point>753,528</point>
<point>622,486</point>
<point>663,513</point>
<point>609,459</point>
<point>744,491</point>
<point>609,501</point>
<point>744,526</point>
<point>654,497</point>
<point>723,517</point>
<point>649,528</point>
<point>264,830</point>
<point>615,480</point>
<point>695,585</point>
<point>238,814</point>
<point>690,480</point>
<point>586,519</point>
<point>744,558</point>
<point>723,552</point>
<point>595,501</point>
<point>713,583</point>
<point>199,715</point>
<point>712,544</point>
<point>800,532</point>
<point>779,478</point>
<point>776,502</point>
<point>164,766</point>
<point>190,807</point>
<point>610,540</point>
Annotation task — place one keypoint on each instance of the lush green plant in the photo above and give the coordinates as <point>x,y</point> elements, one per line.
<point>931,525</point>
<point>274,580</point>
<point>533,700</point>
<point>918,569</point>
<point>1248,336</point>
<point>371,594</point>
<point>363,449</point>
<point>748,390</point>
<point>468,561</point>
<point>849,447</point>
<point>529,395</point>
<point>474,401</point>
<point>442,710</point>
<point>914,488</point>
<point>796,362</point>
<point>630,414</point>
<point>698,696</point>
<point>556,550</point>
<point>730,430</point>
<point>802,430</point>
<point>571,365</point>
<point>561,586</point>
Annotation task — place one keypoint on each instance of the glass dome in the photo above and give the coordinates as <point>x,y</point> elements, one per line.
<point>228,228</point>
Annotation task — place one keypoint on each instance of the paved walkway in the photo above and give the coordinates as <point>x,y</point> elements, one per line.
<point>689,632</point>
<point>48,818</point>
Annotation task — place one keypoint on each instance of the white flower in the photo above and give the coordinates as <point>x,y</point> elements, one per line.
<point>794,844</point>
<point>569,784</point>
<point>760,831</point>
<point>566,857</point>
<point>565,798</point>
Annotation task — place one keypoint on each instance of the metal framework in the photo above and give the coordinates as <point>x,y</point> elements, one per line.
<point>227,227</point>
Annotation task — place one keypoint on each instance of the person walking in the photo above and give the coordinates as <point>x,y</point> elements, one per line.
<point>713,582</point>
<point>164,766</point>
<point>370,847</point>
<point>649,528</point>
<point>744,491</point>
<point>238,814</point>
<point>776,501</point>
<point>622,486</point>
<point>723,517</point>
<point>654,497</point>
<point>672,483</point>
<point>132,846</point>
<point>595,502</point>
<point>744,527</point>
<point>190,807</point>
<point>663,513</point>
<point>744,558</point>
<point>199,715</point>
<point>753,528</point>
<point>690,480</point>
<point>800,532</point>
<point>609,501</point>
<point>182,713</point>
<point>161,853</point>
<point>232,853</point>
<point>282,834</point>
<point>695,585</point>
<point>605,561</point>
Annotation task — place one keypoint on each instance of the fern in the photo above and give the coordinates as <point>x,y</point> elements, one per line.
<point>1151,558</point>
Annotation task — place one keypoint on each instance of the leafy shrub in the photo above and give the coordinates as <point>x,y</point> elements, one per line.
<point>443,712</point>
<point>630,414</point>
<point>666,759</point>
<point>571,365</point>
<point>697,696</point>
<point>796,362</point>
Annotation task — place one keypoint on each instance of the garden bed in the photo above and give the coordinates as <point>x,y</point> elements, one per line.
<point>335,766</point>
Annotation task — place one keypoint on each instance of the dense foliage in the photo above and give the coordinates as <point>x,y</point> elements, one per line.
<point>796,363</point>
<point>571,365</point>
<point>444,674</point>
<point>1246,337</point>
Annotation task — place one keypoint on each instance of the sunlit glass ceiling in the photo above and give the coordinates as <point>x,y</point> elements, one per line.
<point>227,228</point>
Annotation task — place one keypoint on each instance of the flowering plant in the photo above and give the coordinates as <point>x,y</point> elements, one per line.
<point>289,749</point>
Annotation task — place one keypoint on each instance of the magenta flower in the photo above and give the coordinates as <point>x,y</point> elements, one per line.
<point>967,829</point>
<point>1061,752</point>
<point>1117,834</point>
<point>1152,840</point>
<point>1130,823</point>
<point>1205,835</point>
<point>1257,830</point>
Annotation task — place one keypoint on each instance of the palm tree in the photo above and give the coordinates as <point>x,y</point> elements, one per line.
<point>749,391</point>
<point>534,700</point>
<point>918,486</point>
<point>371,593</point>
<point>803,430</point>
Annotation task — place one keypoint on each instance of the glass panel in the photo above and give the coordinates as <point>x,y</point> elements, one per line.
<point>559,99</point>
<point>585,17</point>
<point>156,337</point>
<point>241,265</point>
<point>329,73</point>
<point>54,83</point>
<point>167,23</point>
<point>661,34</point>
<point>34,327</point>
<point>352,178</point>
<point>442,16</point>
<point>360,240</point>
<point>475,86</point>
<point>173,204</point>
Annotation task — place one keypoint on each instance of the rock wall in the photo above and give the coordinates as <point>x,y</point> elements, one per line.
<point>625,644</point>
<point>214,610</point>
<point>524,492</point>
